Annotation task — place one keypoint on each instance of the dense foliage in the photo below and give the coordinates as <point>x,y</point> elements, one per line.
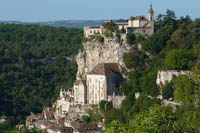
<point>35,62</point>
<point>175,45</point>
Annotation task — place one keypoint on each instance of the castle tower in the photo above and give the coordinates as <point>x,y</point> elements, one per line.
<point>151,18</point>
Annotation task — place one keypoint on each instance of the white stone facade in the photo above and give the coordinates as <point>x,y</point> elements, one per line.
<point>100,83</point>
<point>93,30</point>
<point>80,92</point>
<point>65,101</point>
<point>96,88</point>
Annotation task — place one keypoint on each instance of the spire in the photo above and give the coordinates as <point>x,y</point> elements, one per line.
<point>151,9</point>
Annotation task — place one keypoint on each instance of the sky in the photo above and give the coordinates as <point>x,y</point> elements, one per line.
<point>51,10</point>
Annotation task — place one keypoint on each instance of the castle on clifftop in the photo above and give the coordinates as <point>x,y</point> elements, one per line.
<point>138,25</point>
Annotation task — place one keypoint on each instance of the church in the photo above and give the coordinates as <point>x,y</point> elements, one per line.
<point>139,25</point>
<point>101,84</point>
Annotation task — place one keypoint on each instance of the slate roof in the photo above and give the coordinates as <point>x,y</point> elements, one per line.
<point>106,69</point>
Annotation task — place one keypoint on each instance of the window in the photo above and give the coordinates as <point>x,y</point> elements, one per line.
<point>90,32</point>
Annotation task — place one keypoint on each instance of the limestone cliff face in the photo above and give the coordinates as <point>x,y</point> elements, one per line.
<point>163,76</point>
<point>93,53</point>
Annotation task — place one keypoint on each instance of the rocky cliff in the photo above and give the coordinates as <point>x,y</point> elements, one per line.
<point>163,76</point>
<point>94,52</point>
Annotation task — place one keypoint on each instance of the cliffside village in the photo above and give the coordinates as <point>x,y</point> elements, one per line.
<point>101,83</point>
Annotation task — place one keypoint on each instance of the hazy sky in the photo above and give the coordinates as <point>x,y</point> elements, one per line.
<point>50,10</point>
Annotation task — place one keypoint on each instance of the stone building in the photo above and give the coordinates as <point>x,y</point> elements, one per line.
<point>80,92</point>
<point>65,101</point>
<point>92,30</point>
<point>100,83</point>
<point>138,25</point>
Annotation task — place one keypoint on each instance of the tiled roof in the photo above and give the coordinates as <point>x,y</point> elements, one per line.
<point>84,127</point>
<point>106,69</point>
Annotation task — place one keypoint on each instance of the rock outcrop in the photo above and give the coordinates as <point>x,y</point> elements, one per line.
<point>163,76</point>
<point>94,52</point>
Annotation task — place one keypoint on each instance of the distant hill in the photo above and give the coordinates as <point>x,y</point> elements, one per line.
<point>65,23</point>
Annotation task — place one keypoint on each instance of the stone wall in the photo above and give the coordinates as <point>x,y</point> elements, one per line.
<point>116,100</point>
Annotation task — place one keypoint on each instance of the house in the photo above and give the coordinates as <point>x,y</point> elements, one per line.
<point>48,113</point>
<point>80,92</point>
<point>31,120</point>
<point>65,101</point>
<point>93,30</point>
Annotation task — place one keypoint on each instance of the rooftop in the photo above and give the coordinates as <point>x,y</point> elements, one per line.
<point>106,69</point>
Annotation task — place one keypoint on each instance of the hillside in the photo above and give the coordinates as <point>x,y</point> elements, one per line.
<point>35,62</point>
<point>65,23</point>
<point>174,46</point>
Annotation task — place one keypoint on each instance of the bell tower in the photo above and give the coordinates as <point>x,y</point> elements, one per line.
<point>151,18</point>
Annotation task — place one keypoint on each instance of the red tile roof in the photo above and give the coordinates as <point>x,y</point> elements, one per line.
<point>106,69</point>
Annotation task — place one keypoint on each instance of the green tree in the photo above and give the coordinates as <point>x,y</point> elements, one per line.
<point>156,119</point>
<point>130,38</point>
<point>117,127</point>
<point>185,90</point>
<point>167,90</point>
<point>179,59</point>
<point>86,119</point>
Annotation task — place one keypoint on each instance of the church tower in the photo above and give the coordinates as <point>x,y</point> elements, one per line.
<point>151,18</point>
